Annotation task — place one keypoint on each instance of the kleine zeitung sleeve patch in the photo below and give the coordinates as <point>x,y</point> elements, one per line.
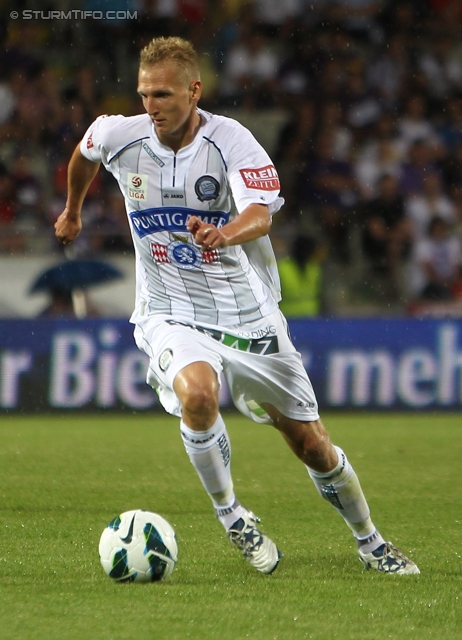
<point>265,178</point>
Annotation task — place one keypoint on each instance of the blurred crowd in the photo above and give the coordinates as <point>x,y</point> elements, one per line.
<point>369,148</point>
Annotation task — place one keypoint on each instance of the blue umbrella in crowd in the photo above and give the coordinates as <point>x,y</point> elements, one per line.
<point>75,274</point>
<point>71,278</point>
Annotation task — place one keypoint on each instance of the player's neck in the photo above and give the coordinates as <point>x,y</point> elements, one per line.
<point>185,136</point>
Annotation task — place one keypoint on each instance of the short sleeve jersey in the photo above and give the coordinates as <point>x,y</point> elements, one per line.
<point>215,178</point>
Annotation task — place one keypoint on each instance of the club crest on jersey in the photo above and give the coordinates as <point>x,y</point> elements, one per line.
<point>264,179</point>
<point>90,144</point>
<point>137,185</point>
<point>207,188</point>
<point>161,255</point>
<point>184,256</point>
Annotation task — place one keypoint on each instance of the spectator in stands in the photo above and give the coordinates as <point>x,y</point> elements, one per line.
<point>249,74</point>
<point>86,90</point>
<point>414,125</point>
<point>369,171</point>
<point>65,304</point>
<point>388,72</point>
<point>331,118</point>
<point>296,73</point>
<point>431,202</point>
<point>330,81</point>
<point>164,12</point>
<point>294,145</point>
<point>334,223</point>
<point>59,305</point>
<point>386,237</point>
<point>33,125</point>
<point>71,128</point>
<point>361,106</point>
<point>361,18</point>
<point>327,192</point>
<point>112,232</point>
<point>229,21</point>
<point>300,274</point>
<point>325,180</point>
<point>209,76</point>
<point>420,162</point>
<point>437,263</point>
<point>452,172</point>
<point>381,154</point>
<point>331,54</point>
<point>274,16</point>
<point>450,129</point>
<point>28,190</point>
<point>294,141</point>
<point>21,51</point>
<point>11,240</point>
<point>441,67</point>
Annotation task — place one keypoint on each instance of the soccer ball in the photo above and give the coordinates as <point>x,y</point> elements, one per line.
<point>138,546</point>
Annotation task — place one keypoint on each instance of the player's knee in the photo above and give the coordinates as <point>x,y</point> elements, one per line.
<point>200,399</point>
<point>197,389</point>
<point>310,442</point>
<point>313,446</point>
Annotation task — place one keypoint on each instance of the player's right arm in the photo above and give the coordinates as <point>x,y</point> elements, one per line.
<point>80,174</point>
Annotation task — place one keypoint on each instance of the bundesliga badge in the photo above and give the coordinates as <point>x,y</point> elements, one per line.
<point>184,256</point>
<point>207,188</point>
<point>137,184</point>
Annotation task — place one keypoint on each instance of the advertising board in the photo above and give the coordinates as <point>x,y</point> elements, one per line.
<point>374,364</point>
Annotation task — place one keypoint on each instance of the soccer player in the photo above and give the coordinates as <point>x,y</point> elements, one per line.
<point>200,193</point>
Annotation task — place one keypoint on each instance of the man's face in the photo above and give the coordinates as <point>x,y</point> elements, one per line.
<point>169,98</point>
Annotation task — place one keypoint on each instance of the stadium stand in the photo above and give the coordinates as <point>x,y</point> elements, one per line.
<point>345,96</point>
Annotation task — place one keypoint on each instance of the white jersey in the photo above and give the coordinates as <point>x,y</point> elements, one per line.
<point>215,178</point>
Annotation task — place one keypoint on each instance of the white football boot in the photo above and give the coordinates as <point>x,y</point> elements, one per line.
<point>388,559</point>
<point>256,548</point>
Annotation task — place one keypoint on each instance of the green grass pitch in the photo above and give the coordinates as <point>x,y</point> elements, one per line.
<point>62,479</point>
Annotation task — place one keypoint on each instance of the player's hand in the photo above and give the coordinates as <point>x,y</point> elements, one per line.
<point>68,226</point>
<point>206,235</point>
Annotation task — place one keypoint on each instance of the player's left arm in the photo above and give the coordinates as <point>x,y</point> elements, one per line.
<point>80,175</point>
<point>250,224</point>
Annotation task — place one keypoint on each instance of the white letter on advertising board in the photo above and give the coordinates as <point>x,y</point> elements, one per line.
<point>72,383</point>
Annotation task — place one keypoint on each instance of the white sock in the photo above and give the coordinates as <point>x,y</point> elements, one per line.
<point>210,454</point>
<point>370,543</point>
<point>229,516</point>
<point>341,488</point>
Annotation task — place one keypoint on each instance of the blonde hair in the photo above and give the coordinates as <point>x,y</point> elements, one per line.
<point>172,49</point>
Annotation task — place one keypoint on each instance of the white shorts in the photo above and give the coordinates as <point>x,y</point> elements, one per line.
<point>259,363</point>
